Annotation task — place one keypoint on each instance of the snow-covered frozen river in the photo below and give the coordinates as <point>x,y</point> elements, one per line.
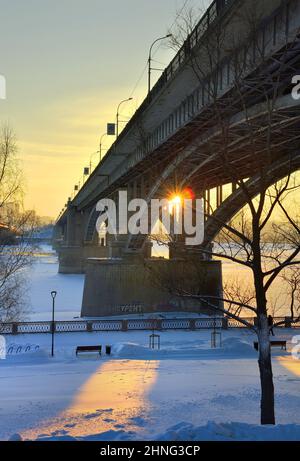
<point>43,277</point>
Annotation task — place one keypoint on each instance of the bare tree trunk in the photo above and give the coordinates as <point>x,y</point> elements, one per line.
<point>266,373</point>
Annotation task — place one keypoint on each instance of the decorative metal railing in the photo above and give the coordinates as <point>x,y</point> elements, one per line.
<point>106,325</point>
<point>77,326</point>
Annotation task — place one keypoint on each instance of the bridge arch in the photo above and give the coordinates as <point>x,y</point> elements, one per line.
<point>223,214</point>
<point>259,113</point>
<point>91,231</point>
<point>237,200</point>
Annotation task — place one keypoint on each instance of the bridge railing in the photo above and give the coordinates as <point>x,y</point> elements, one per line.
<point>216,8</point>
<point>80,326</point>
<point>272,34</point>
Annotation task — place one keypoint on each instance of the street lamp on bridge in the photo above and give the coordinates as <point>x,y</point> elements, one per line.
<point>91,157</point>
<point>100,145</point>
<point>118,114</point>
<point>150,59</point>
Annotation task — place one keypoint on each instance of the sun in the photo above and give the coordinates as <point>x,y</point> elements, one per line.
<point>175,202</point>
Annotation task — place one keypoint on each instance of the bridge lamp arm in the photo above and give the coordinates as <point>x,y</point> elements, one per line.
<point>100,145</point>
<point>150,58</point>
<point>118,113</point>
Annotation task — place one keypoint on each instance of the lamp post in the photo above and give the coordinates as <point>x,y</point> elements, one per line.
<point>150,58</point>
<point>92,155</point>
<point>117,117</point>
<point>53,296</point>
<point>100,145</point>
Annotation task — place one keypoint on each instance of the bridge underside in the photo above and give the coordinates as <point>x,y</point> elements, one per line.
<point>230,139</point>
<point>122,280</point>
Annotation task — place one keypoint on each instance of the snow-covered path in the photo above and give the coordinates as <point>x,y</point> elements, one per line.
<point>138,393</point>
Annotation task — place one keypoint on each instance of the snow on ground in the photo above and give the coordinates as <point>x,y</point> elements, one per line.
<point>185,391</point>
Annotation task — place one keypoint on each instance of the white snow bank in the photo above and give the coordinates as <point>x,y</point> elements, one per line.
<point>133,350</point>
<point>184,431</point>
<point>182,347</point>
<point>231,432</point>
<point>234,344</point>
<point>107,436</point>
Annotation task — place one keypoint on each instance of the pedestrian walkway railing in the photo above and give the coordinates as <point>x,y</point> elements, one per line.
<point>79,326</point>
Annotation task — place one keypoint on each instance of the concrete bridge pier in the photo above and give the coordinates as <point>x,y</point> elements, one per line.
<point>58,236</point>
<point>134,282</point>
<point>72,258</point>
<point>73,250</point>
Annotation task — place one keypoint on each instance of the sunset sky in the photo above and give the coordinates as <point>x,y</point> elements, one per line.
<point>68,63</point>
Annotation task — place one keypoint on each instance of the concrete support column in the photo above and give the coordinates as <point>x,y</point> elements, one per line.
<point>117,244</point>
<point>110,284</point>
<point>74,227</point>
<point>75,249</point>
<point>57,232</point>
<point>58,236</point>
<point>72,259</point>
<point>178,247</point>
<point>219,196</point>
<point>207,202</point>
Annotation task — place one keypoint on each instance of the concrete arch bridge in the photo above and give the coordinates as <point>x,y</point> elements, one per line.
<point>222,111</point>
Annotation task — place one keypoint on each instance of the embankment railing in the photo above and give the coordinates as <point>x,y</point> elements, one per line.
<point>79,326</point>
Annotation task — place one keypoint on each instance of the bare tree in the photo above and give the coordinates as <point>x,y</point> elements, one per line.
<point>16,227</point>
<point>291,277</point>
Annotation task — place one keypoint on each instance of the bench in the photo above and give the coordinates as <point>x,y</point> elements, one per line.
<point>89,349</point>
<point>278,343</point>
